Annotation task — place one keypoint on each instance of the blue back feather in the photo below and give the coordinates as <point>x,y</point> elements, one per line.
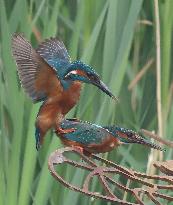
<point>86,133</point>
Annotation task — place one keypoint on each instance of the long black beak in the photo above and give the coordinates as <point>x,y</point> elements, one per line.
<point>149,144</point>
<point>104,88</point>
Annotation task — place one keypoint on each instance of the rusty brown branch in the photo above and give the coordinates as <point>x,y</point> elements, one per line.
<point>106,187</point>
<point>105,174</point>
<point>136,192</point>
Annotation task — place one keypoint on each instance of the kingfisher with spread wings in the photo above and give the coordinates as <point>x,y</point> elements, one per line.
<point>48,75</point>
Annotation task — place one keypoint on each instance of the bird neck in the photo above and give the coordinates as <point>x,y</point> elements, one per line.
<point>66,84</point>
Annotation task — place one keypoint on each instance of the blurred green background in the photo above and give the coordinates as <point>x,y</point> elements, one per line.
<point>116,37</point>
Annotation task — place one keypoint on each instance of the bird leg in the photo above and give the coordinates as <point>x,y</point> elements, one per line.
<point>78,148</point>
<point>82,150</point>
<point>59,130</point>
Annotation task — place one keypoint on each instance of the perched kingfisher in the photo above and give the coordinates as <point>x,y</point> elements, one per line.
<point>48,75</point>
<point>92,138</point>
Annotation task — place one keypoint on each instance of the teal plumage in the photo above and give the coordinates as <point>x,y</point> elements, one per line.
<point>47,74</point>
<point>97,139</point>
<point>52,55</point>
<point>54,52</point>
<point>85,132</point>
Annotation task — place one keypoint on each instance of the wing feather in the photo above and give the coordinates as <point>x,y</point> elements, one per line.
<point>55,54</point>
<point>37,78</point>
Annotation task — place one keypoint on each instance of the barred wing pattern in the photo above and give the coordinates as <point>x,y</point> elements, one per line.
<point>34,73</point>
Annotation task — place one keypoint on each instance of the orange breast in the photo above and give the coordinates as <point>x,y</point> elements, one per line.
<point>106,146</point>
<point>70,97</point>
<point>57,105</point>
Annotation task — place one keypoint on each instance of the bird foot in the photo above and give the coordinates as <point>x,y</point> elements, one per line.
<point>64,131</point>
<point>78,148</point>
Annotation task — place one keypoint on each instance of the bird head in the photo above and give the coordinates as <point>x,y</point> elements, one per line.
<point>79,71</point>
<point>123,134</point>
<point>129,136</point>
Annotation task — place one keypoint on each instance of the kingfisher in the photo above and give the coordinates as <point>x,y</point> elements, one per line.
<point>48,76</point>
<point>92,138</point>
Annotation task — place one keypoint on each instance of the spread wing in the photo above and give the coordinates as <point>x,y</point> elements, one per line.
<point>55,54</point>
<point>37,78</point>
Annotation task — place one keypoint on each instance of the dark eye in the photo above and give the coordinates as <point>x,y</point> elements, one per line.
<point>93,77</point>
